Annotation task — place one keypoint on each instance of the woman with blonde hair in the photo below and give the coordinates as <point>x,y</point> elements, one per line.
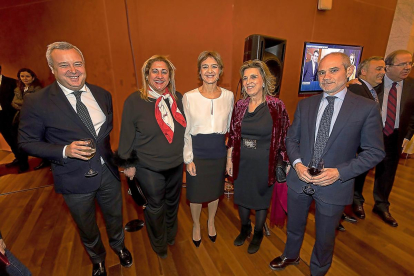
<point>151,148</point>
<point>257,140</point>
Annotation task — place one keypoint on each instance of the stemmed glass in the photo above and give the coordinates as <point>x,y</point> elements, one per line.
<point>315,167</point>
<point>91,151</point>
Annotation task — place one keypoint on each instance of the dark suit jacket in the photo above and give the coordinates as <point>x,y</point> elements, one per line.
<point>358,125</point>
<point>6,96</point>
<point>48,122</point>
<point>361,89</point>
<point>406,127</point>
<point>308,74</point>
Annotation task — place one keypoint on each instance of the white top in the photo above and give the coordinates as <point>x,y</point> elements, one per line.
<point>205,116</point>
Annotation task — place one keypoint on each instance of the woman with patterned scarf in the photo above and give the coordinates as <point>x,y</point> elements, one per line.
<point>151,148</point>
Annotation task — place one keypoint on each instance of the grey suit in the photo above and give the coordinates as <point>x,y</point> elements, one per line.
<point>358,125</point>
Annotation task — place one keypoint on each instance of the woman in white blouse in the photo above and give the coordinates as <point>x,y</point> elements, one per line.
<point>208,111</point>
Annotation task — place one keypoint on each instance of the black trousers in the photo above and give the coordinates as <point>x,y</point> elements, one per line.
<point>162,190</point>
<point>6,129</point>
<point>386,170</point>
<point>82,208</point>
<point>327,217</point>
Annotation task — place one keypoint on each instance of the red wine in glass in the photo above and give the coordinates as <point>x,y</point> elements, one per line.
<point>315,167</point>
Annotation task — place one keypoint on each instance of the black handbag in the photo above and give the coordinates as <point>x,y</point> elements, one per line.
<point>281,169</point>
<point>136,192</point>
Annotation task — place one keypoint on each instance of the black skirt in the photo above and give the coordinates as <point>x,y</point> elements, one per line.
<point>208,184</point>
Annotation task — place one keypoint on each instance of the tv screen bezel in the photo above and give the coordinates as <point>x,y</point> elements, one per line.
<point>311,92</point>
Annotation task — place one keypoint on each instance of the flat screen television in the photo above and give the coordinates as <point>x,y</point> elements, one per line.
<point>313,52</point>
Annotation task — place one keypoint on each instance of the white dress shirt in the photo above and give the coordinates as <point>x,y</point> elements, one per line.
<point>97,116</point>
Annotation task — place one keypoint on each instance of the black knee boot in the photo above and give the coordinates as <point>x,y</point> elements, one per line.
<point>244,234</point>
<point>256,241</point>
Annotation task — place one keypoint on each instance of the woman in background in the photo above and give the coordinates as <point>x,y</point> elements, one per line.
<point>27,82</point>
<point>257,139</point>
<point>208,111</point>
<point>151,148</point>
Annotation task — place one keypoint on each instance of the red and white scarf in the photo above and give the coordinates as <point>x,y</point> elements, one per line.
<point>163,115</point>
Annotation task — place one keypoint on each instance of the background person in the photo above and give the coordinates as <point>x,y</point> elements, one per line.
<point>257,138</point>
<point>151,148</point>
<point>27,83</point>
<point>208,113</point>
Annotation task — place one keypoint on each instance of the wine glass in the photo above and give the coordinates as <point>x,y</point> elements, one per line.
<point>91,151</point>
<point>315,167</point>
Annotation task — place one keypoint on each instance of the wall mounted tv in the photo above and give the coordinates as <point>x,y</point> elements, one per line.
<point>313,52</point>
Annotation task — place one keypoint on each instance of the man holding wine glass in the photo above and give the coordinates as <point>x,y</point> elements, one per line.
<point>322,145</point>
<point>68,122</point>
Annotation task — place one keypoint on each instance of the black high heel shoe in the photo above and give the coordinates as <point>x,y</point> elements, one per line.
<point>212,238</point>
<point>197,243</point>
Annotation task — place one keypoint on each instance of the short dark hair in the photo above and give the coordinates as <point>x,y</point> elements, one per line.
<point>389,60</point>
<point>365,63</point>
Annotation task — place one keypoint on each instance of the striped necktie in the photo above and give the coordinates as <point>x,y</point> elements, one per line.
<point>391,110</point>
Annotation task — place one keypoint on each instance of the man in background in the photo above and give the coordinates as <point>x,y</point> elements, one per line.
<point>311,67</point>
<point>396,98</point>
<point>7,112</point>
<point>370,73</point>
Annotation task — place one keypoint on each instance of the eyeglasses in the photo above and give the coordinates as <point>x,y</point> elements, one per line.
<point>404,64</point>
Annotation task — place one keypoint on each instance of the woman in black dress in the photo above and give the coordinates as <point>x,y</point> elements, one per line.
<point>257,138</point>
<point>151,148</point>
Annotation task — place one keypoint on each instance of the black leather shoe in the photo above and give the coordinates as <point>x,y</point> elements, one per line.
<point>282,262</point>
<point>245,232</point>
<point>99,269</point>
<point>386,217</point>
<point>358,211</point>
<point>350,219</point>
<point>254,245</point>
<point>23,167</point>
<point>162,255</point>
<point>340,228</point>
<point>125,257</point>
<point>42,165</point>
<point>13,163</point>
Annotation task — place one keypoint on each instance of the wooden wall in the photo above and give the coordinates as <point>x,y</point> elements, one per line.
<point>180,29</point>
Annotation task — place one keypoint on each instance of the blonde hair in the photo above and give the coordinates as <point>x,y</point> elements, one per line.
<point>268,79</point>
<point>145,72</point>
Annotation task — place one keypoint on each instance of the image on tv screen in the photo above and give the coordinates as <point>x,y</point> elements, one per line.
<point>313,53</point>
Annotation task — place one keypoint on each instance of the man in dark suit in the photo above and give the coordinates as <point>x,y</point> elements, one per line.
<point>370,74</point>
<point>53,123</point>
<point>311,67</point>
<point>396,98</point>
<point>328,128</point>
<point>7,112</point>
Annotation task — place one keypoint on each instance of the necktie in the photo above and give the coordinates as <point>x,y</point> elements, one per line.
<point>83,113</point>
<point>391,110</point>
<point>323,131</point>
<point>374,94</point>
